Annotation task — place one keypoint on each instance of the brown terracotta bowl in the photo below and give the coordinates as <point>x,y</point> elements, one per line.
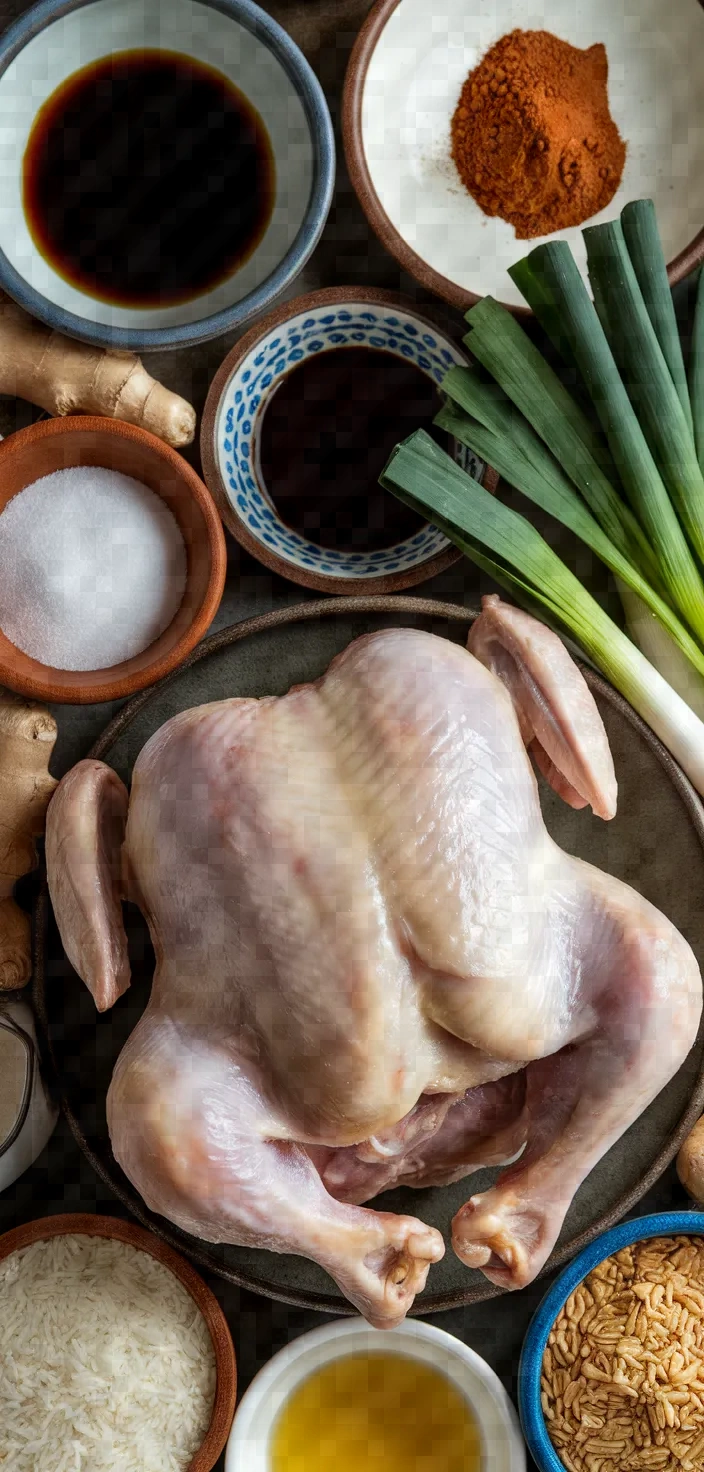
<point>106,1226</point>
<point>402,86</point>
<point>235,410</point>
<point>56,444</point>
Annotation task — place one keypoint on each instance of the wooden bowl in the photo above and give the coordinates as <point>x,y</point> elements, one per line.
<point>402,86</point>
<point>107,1226</point>
<point>232,423</point>
<point>57,444</point>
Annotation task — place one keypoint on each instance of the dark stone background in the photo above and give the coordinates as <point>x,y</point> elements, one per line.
<point>348,254</point>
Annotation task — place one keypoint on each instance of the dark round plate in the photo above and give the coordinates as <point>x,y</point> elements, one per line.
<point>655,843</point>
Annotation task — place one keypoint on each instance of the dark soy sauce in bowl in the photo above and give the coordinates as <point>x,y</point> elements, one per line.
<point>325,437</point>
<point>148,179</point>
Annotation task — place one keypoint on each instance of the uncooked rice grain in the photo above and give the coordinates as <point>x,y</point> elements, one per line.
<point>105,1361</point>
<point>622,1385</point>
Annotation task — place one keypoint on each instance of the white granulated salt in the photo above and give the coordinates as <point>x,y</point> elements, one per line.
<point>92,568</point>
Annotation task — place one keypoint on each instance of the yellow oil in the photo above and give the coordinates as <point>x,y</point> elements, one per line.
<point>372,1411</point>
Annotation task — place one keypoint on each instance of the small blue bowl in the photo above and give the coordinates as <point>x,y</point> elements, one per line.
<point>57,38</point>
<point>662,1224</point>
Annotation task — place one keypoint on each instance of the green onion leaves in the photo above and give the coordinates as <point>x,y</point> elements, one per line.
<point>613,449</point>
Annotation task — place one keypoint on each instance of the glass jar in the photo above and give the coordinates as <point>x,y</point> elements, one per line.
<point>28,1114</point>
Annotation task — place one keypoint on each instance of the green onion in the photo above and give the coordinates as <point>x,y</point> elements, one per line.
<point>663,652</point>
<point>554,266</point>
<point>550,489</point>
<point>696,372</point>
<point>500,570</point>
<point>644,247</point>
<point>489,406</point>
<point>426,479</point>
<point>547,487</point>
<point>502,347</point>
<point>655,398</point>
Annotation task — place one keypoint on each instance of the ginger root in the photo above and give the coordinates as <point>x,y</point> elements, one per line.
<point>690,1162</point>
<point>27,736</point>
<point>68,377</point>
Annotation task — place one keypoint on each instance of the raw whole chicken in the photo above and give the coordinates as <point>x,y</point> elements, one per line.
<point>374,966</point>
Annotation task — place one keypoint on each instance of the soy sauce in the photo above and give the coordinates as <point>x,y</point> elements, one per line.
<point>326,437</point>
<point>148,179</point>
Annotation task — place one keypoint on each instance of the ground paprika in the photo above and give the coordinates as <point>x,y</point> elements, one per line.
<point>532,136</point>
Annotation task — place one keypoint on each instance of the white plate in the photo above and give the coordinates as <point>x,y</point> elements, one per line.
<point>425,51</point>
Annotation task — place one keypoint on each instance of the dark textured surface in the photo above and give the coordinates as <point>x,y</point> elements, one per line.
<point>347,255</point>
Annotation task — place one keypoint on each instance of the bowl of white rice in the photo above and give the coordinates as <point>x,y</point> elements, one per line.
<point>113,1352</point>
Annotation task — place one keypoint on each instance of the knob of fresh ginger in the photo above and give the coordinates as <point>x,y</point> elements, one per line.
<point>690,1162</point>
<point>67,377</point>
<point>27,736</point>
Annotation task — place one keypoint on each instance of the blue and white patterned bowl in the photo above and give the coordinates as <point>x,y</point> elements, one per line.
<point>231,431</point>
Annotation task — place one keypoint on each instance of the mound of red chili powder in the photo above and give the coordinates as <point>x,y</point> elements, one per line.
<point>532,136</point>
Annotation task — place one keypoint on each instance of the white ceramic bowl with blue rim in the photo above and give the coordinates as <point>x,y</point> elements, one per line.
<point>660,1224</point>
<point>55,39</point>
<point>234,413</point>
<point>249,1447</point>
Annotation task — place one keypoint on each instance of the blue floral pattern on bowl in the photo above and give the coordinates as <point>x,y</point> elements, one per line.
<point>242,407</point>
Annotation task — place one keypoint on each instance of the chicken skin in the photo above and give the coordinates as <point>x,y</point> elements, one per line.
<point>373,964</point>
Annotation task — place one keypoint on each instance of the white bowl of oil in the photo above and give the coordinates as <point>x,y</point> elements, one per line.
<point>350,1397</point>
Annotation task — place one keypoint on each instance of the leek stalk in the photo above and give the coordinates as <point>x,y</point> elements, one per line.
<point>429,481</point>
<point>655,643</point>
<point>503,348</point>
<point>696,371</point>
<point>549,488</point>
<point>554,265</point>
<point>652,390</point>
<point>486,404</point>
<point>642,237</point>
